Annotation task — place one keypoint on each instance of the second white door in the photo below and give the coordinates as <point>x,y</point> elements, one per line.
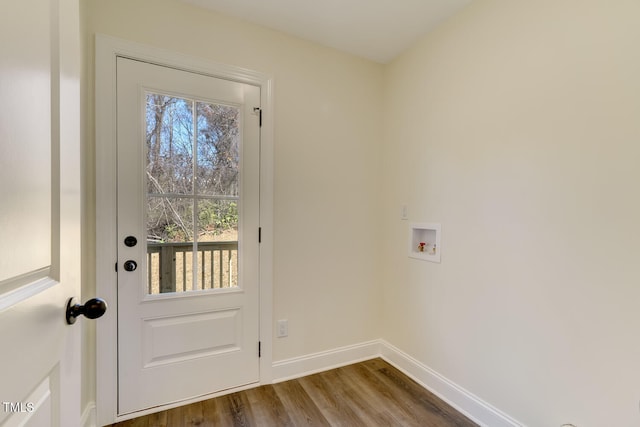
<point>188,235</point>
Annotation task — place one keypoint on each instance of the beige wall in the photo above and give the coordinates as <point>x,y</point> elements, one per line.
<point>517,126</point>
<point>327,142</point>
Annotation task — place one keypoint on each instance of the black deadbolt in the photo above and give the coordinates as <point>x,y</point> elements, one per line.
<point>130,265</point>
<point>130,241</point>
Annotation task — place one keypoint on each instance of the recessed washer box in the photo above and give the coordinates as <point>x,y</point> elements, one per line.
<point>424,241</point>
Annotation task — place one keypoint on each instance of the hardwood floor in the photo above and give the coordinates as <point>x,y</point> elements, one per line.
<point>371,393</point>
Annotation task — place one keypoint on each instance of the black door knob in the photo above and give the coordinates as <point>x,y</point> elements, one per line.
<point>91,309</point>
<point>130,265</point>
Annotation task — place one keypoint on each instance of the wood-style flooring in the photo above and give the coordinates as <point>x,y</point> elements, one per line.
<point>367,394</point>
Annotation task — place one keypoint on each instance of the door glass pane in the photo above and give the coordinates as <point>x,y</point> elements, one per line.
<point>169,136</point>
<point>169,244</point>
<point>217,244</point>
<point>183,255</point>
<point>218,149</point>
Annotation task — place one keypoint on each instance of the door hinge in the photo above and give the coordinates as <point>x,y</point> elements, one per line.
<point>259,234</point>
<point>259,348</point>
<point>116,267</point>
<point>258,111</point>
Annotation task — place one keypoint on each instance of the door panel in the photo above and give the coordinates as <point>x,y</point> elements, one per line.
<point>39,213</point>
<point>25,214</point>
<point>179,338</point>
<point>188,185</point>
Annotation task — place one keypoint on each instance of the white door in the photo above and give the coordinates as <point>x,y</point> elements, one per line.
<point>188,219</point>
<point>39,213</point>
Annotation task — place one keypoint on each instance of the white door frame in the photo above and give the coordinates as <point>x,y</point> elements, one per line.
<point>107,50</point>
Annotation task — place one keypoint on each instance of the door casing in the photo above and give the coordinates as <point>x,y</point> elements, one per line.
<point>108,49</point>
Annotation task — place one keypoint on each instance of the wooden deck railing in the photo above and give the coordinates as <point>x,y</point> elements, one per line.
<point>170,266</point>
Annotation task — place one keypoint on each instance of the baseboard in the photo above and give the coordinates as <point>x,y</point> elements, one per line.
<point>462,400</point>
<point>297,367</point>
<point>470,405</point>
<point>89,415</point>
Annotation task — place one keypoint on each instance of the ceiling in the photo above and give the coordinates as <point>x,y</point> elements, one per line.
<point>374,29</point>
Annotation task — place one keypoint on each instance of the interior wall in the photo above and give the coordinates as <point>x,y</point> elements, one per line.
<point>516,126</point>
<point>327,160</point>
<point>513,125</point>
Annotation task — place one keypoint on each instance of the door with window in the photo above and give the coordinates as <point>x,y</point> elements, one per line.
<point>188,230</point>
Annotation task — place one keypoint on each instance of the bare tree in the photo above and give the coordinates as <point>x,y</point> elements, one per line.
<point>179,164</point>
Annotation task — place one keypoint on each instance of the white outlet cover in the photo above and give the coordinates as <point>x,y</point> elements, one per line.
<point>283,328</point>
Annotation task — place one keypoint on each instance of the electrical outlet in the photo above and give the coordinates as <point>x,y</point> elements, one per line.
<point>283,328</point>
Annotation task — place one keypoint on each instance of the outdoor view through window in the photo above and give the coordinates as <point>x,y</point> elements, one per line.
<point>192,181</point>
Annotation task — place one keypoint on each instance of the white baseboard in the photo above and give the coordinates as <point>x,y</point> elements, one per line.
<point>89,415</point>
<point>473,407</point>
<point>470,405</point>
<point>296,367</point>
